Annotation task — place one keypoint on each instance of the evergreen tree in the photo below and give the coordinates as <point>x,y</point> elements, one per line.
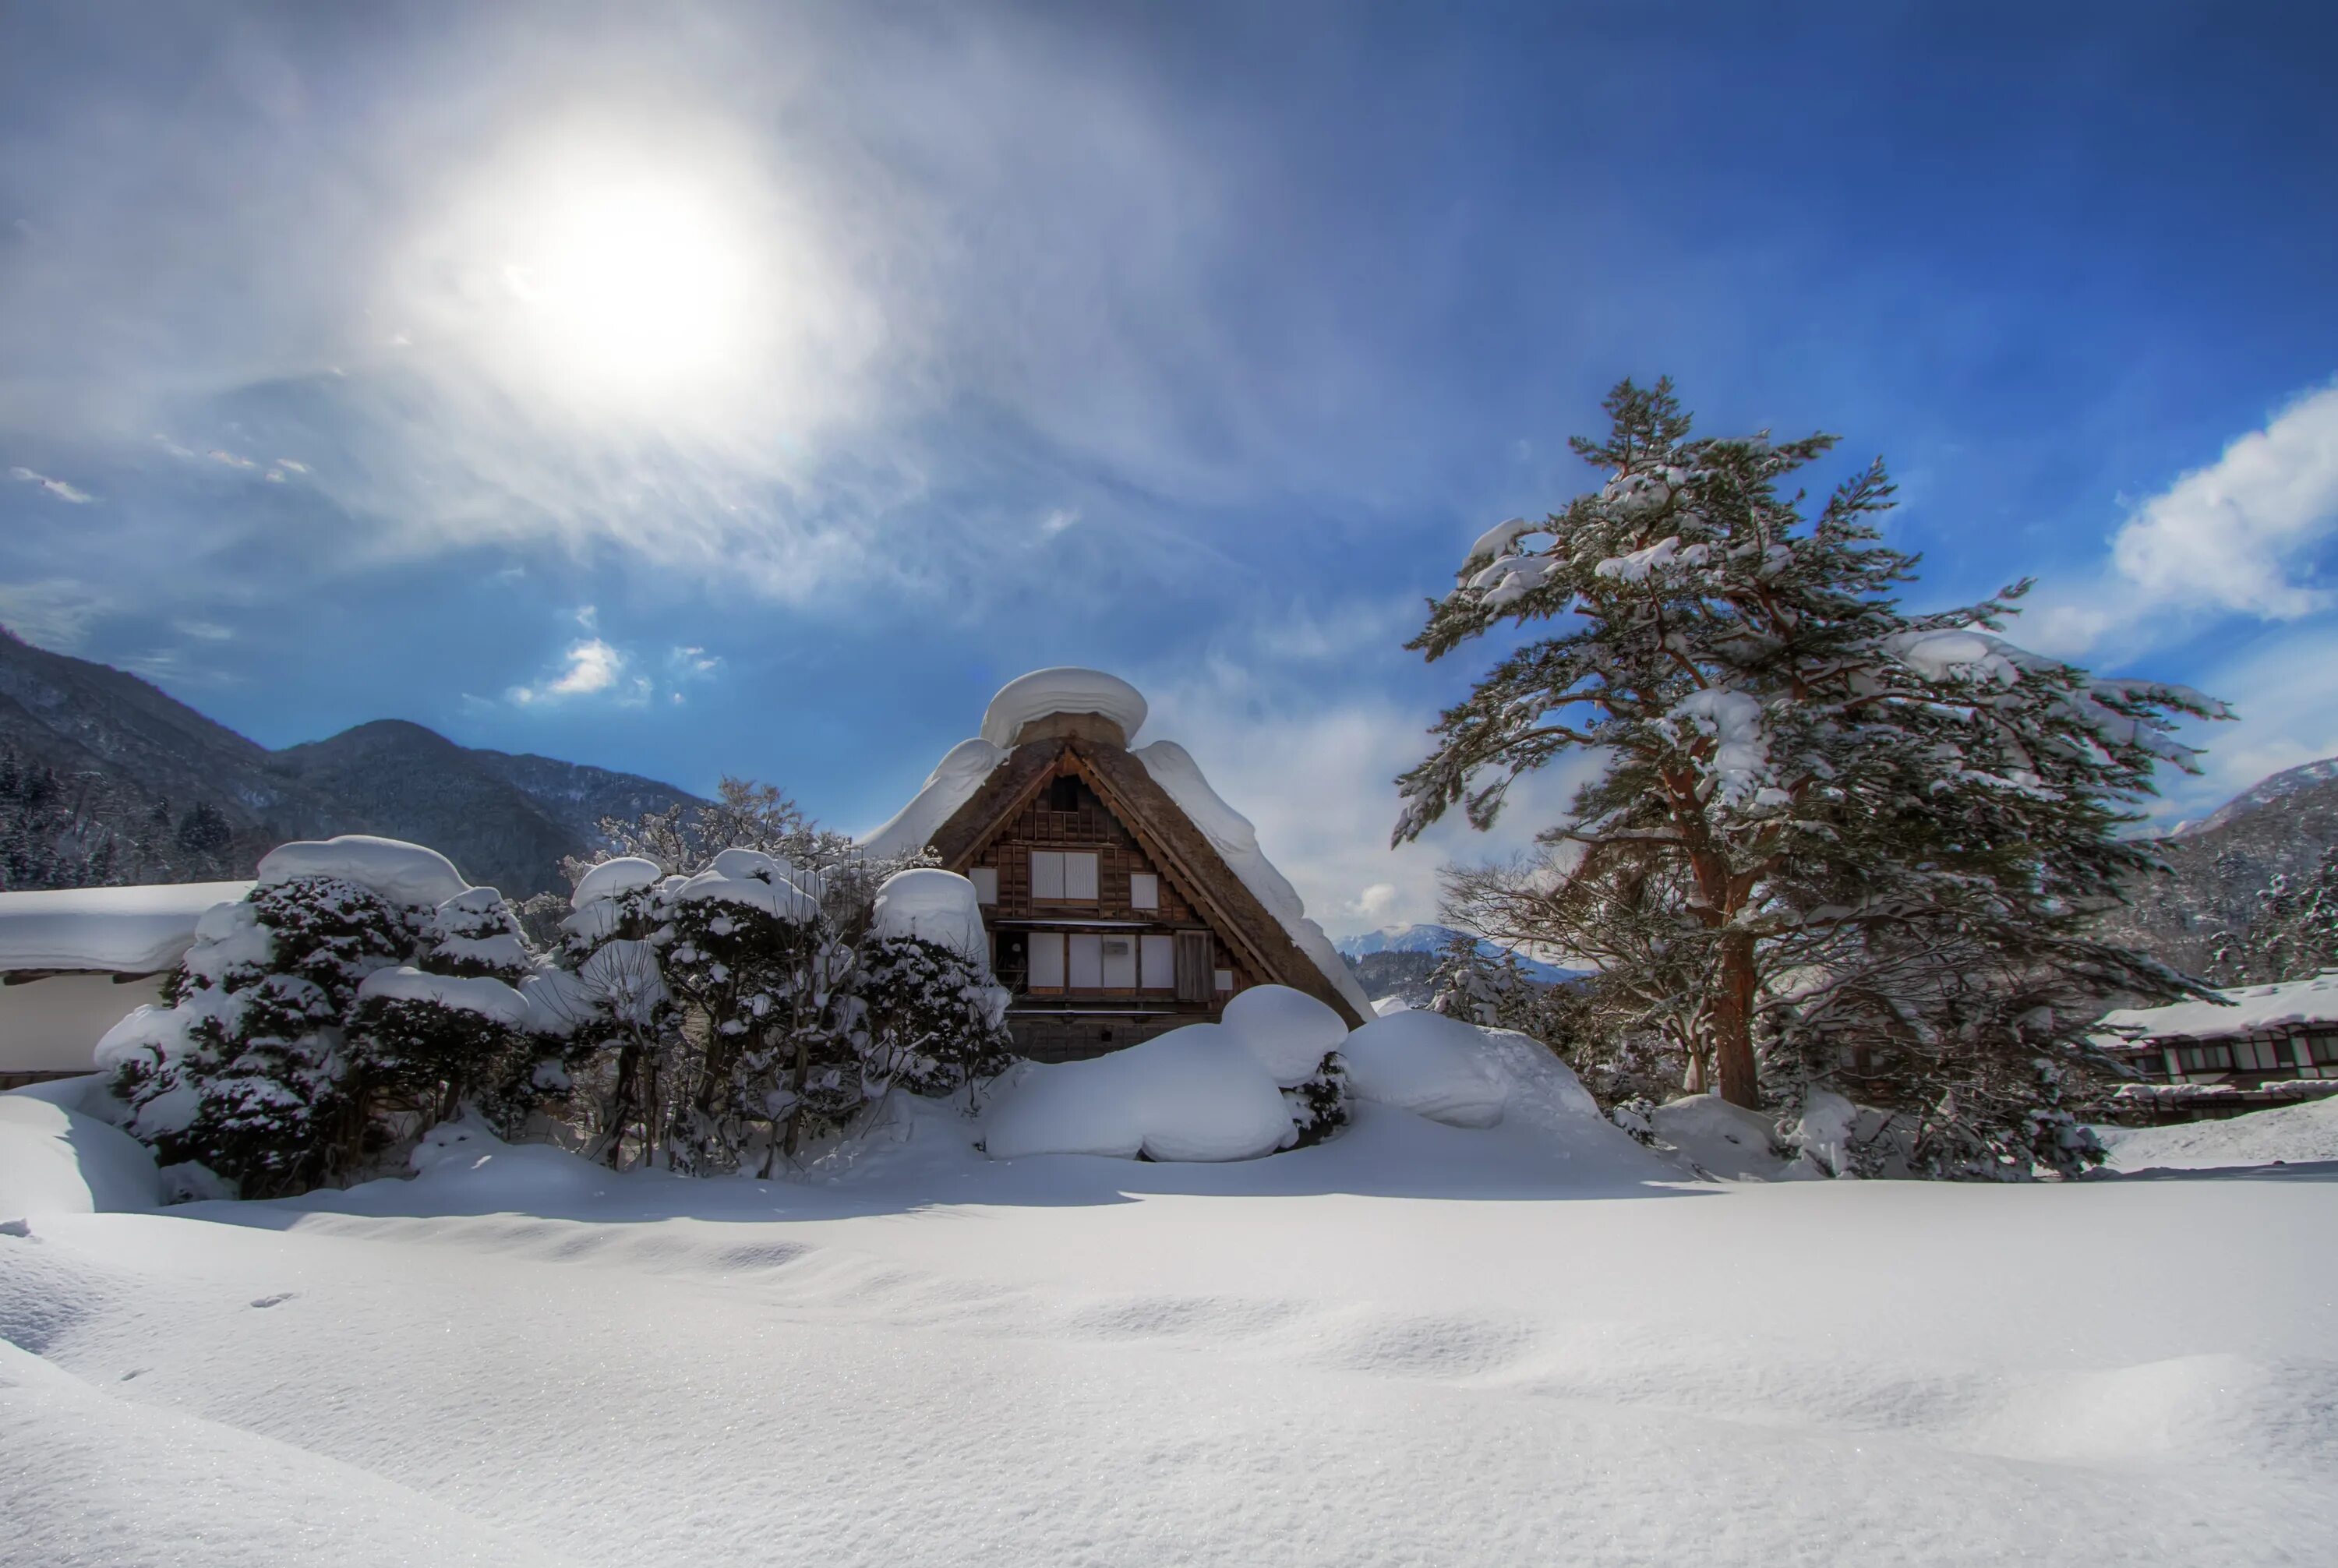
<point>2293,934</point>
<point>1797,773</point>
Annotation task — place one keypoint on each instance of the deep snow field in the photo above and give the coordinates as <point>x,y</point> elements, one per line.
<point>1414,1344</point>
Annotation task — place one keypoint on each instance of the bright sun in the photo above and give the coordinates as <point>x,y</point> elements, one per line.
<point>636,283</point>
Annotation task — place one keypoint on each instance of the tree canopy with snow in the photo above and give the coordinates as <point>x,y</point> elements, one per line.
<point>1821,816</point>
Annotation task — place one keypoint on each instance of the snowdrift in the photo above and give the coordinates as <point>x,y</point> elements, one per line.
<point>2287,1134</point>
<point>56,1161</point>
<point>1427,1064</point>
<point>1193,1093</point>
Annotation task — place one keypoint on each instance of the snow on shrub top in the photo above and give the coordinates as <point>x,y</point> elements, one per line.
<point>1428,1063</point>
<point>487,998</point>
<point>781,900</point>
<point>753,865</point>
<point>1193,1093</point>
<point>940,907</point>
<point>1288,1031</point>
<point>1062,690</point>
<point>400,872</point>
<point>614,879</point>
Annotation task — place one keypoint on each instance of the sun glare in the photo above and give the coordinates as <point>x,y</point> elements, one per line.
<point>635,283</point>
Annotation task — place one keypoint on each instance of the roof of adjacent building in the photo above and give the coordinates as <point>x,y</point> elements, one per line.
<point>105,930</point>
<point>2246,1010</point>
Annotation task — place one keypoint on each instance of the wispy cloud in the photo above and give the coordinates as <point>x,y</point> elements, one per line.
<point>2237,537</point>
<point>56,487</point>
<point>589,668</point>
<point>55,613</point>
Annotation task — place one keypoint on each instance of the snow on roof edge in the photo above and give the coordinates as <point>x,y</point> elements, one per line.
<point>139,930</point>
<point>2253,1007</point>
<point>1231,833</point>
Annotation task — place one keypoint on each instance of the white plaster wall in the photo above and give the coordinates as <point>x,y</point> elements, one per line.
<point>52,1026</point>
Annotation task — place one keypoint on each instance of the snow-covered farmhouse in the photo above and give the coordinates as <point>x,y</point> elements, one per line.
<point>72,962</point>
<point>2268,1045</point>
<point>1124,898</point>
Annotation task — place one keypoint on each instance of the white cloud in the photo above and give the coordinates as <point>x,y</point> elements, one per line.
<point>1056,521</point>
<point>2283,694</point>
<point>1316,779</point>
<point>54,613</point>
<point>204,631</point>
<point>56,487</point>
<point>591,666</point>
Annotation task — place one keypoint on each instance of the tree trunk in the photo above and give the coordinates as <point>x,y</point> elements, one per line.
<point>1733,1021</point>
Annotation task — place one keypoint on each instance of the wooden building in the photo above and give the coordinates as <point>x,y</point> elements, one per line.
<point>2260,1046</point>
<point>1123,897</point>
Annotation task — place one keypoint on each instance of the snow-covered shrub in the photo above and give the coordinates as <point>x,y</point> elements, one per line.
<point>933,1022</point>
<point>1428,1063</point>
<point>1297,1040</point>
<point>306,1032</point>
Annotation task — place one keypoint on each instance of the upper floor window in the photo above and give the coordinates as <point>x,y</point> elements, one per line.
<point>985,884</point>
<point>1065,874</point>
<point>1144,891</point>
<point>1063,794</point>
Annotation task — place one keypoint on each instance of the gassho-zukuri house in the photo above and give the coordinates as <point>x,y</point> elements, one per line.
<point>1123,896</point>
<point>2265,1046</point>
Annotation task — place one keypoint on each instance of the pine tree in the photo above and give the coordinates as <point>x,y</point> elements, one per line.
<point>2291,935</point>
<point>1798,772</point>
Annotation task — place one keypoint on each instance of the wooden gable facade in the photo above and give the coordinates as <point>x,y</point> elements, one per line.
<point>1112,917</point>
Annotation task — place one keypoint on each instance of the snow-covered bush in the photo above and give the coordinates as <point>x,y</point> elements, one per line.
<point>307,1030</point>
<point>1428,1063</point>
<point>1297,1039</point>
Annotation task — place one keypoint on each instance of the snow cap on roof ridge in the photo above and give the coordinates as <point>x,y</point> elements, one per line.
<point>1064,688</point>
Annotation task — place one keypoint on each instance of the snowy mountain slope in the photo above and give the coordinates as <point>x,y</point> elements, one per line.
<point>506,819</point>
<point>1422,939</point>
<point>2217,867</point>
<point>1410,1345</point>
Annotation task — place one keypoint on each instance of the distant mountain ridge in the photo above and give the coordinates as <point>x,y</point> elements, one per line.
<point>507,820</point>
<point>1426,938</point>
<point>2218,866</point>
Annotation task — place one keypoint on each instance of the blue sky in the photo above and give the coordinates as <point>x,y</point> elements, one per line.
<point>705,389</point>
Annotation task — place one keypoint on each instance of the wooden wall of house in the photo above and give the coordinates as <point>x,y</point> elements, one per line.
<point>1067,815</point>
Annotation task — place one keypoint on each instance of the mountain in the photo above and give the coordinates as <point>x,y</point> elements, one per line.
<point>1418,938</point>
<point>136,762</point>
<point>2217,867</point>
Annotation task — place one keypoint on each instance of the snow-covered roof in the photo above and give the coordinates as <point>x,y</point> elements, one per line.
<point>117,930</point>
<point>1231,833</point>
<point>1065,690</point>
<point>2252,1008</point>
<point>1044,692</point>
<point>949,787</point>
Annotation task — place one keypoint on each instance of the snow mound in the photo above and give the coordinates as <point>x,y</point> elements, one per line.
<point>949,786</point>
<point>1288,1031</point>
<point>1428,1063</point>
<point>940,907</point>
<point>1062,690</point>
<point>1193,1093</point>
<point>56,1160</point>
<point>489,998</point>
<point>614,879</point>
<point>1727,1140</point>
<point>1229,833</point>
<point>2289,1134</point>
<point>753,866</point>
<point>125,930</point>
<point>400,872</point>
<point>1387,1005</point>
<point>782,900</point>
